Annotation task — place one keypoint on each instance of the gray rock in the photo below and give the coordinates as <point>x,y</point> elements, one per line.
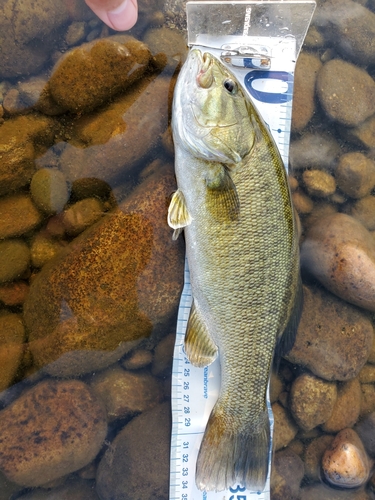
<point>49,190</point>
<point>286,476</point>
<point>313,151</point>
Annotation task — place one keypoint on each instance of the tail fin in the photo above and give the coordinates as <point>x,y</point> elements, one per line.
<point>228,457</point>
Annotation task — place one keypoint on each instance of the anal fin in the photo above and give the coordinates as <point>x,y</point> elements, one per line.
<point>199,346</point>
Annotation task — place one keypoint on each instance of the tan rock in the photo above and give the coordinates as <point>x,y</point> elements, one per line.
<point>319,183</point>
<point>367,399</point>
<point>367,374</point>
<point>14,259</point>
<point>18,215</point>
<point>347,407</point>
<point>285,428</point>
<point>364,211</point>
<point>276,386</point>
<point>82,215</point>
<point>313,456</point>
<point>355,174</point>
<point>286,475</point>
<point>12,338</point>
<point>302,203</point>
<point>51,430</point>
<point>49,190</point>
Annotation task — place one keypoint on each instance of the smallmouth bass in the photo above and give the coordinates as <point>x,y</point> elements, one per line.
<point>233,204</point>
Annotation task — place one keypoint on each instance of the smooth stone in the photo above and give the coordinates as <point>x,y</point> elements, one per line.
<point>148,476</point>
<point>112,286</point>
<point>322,209</point>
<point>334,85</point>
<point>52,429</point>
<point>276,386</point>
<point>168,42</point>
<point>34,94</point>
<point>367,374</point>
<point>12,338</point>
<point>363,210</point>
<point>18,215</point>
<point>365,429</point>
<point>137,360</point>
<point>285,429</point>
<point>75,33</point>
<point>125,393</point>
<point>312,400</point>
<point>113,63</point>
<point>14,259</point>
<point>313,455</point>
<point>313,150</point>
<point>339,252</point>
<point>90,187</point>
<point>302,203</point>
<point>367,399</point>
<point>44,248</point>
<point>319,183</point>
<point>345,462</point>
<point>362,135</point>
<point>333,338</point>
<point>13,294</point>
<point>307,68</point>
<point>324,492</point>
<point>355,174</point>
<point>49,190</point>
<point>286,475</point>
<point>111,143</point>
<point>81,215</point>
<point>163,356</point>
<point>347,407</point>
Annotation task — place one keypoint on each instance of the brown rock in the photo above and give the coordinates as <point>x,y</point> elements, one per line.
<point>307,69</point>
<point>44,248</point>
<point>163,357</point>
<point>333,339</point>
<point>366,431</point>
<point>82,215</point>
<point>321,210</point>
<point>324,492</point>
<point>13,294</point>
<point>314,454</point>
<point>285,428</point>
<point>286,475</point>
<point>75,489</point>
<point>137,360</point>
<point>51,430</point>
<point>312,400</point>
<point>364,211</point>
<point>12,338</point>
<point>347,407</point>
<point>367,374</point>
<point>339,252</point>
<point>319,183</point>
<point>14,259</point>
<point>355,174</point>
<point>126,394</point>
<point>276,386</point>
<point>363,134</point>
<point>168,42</point>
<point>302,203</point>
<point>367,399</point>
<point>345,462</point>
<point>18,215</point>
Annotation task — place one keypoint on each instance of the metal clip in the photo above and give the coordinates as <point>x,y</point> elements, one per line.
<point>246,57</point>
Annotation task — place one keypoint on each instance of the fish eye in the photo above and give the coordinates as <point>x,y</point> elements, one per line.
<point>230,86</point>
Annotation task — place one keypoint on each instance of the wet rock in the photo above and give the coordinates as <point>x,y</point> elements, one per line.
<point>18,215</point>
<point>312,400</point>
<point>355,174</point>
<point>82,215</point>
<point>334,86</point>
<point>364,211</point>
<point>324,492</point>
<point>110,287</point>
<point>319,183</point>
<point>51,430</point>
<point>126,394</point>
<point>307,69</point>
<point>137,360</point>
<point>163,356</point>
<point>75,33</point>
<point>14,259</point>
<point>367,374</point>
<point>112,142</point>
<point>12,337</point>
<point>285,428</point>
<point>302,203</point>
<point>7,488</point>
<point>113,64</point>
<point>367,399</point>
<point>333,339</point>
<point>286,475</point>
<point>13,294</point>
<point>276,386</point>
<point>313,151</point>
<point>314,39</point>
<point>345,462</point>
<point>167,42</point>
<point>13,104</point>
<point>339,252</point>
<point>147,478</point>
<point>314,454</point>
<point>75,489</point>
<point>20,140</point>
<point>90,188</point>
<point>347,407</point>
<point>44,248</point>
<point>365,429</point>
<point>363,134</point>
<point>351,27</point>
<point>321,210</point>
<point>49,190</point>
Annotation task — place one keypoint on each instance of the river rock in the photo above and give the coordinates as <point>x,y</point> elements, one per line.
<point>324,492</point>
<point>44,248</point>
<point>129,471</point>
<point>312,400</point>
<point>367,399</point>
<point>347,407</point>
<point>137,360</point>
<point>110,143</point>
<point>302,203</point>
<point>112,63</point>
<point>12,338</point>
<point>163,357</point>
<point>52,429</point>
<point>355,174</point>
<point>168,42</point>
<point>313,456</point>
<point>49,190</point>
<point>333,339</point>
<point>14,259</point>
<point>18,215</point>
<point>307,68</point>
<point>339,252</point>
<point>286,475</point>
<point>13,294</point>
<point>364,211</point>
<point>345,462</point>
<point>334,85</point>
<point>319,183</point>
<point>363,134</point>
<point>313,151</point>
<point>18,140</point>
<point>110,287</point>
<point>365,429</point>
<point>75,489</point>
<point>126,394</point>
<point>82,215</point>
<point>285,428</point>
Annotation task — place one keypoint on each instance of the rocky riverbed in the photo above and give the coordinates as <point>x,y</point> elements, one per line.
<point>90,278</point>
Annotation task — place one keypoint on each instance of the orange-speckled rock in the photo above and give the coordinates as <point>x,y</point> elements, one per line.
<point>112,285</point>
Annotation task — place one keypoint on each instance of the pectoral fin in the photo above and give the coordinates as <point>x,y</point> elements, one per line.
<point>199,346</point>
<point>178,214</point>
<point>222,198</point>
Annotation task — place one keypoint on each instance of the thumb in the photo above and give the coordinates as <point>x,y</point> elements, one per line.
<point>119,15</point>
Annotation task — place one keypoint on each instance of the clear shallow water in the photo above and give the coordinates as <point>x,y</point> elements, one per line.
<point>90,278</point>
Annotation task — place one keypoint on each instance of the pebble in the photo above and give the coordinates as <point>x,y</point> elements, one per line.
<point>347,407</point>
<point>365,429</point>
<point>345,462</point>
<point>286,475</point>
<point>126,393</point>
<point>137,360</point>
<point>319,183</point>
<point>163,356</point>
<point>302,203</point>
<point>75,33</point>
<point>314,150</point>
<point>52,429</point>
<point>355,174</point>
<point>312,400</point>
<point>148,475</point>
<point>367,399</point>
<point>18,215</point>
<point>339,252</point>
<point>362,135</point>
<point>14,294</point>
<point>367,374</point>
<point>49,190</point>
<point>14,259</point>
<point>82,215</point>
<point>322,209</point>
<point>44,248</point>
<point>168,42</point>
<point>313,456</point>
<point>334,85</point>
<point>333,339</point>
<point>285,429</point>
<point>364,211</point>
<point>307,68</point>
<point>276,386</point>
<point>12,338</point>
<point>90,187</point>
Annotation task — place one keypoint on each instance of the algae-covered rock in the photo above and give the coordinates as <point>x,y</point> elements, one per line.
<point>12,337</point>
<point>18,215</point>
<point>14,259</point>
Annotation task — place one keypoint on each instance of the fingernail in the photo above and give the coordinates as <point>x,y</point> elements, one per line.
<point>124,16</point>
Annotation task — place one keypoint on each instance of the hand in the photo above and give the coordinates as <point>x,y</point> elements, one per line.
<point>119,15</point>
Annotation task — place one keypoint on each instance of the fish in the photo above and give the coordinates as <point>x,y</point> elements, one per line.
<point>234,206</point>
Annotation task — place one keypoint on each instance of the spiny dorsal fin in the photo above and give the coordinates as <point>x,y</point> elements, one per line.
<point>178,214</point>
<point>199,346</point>
<point>222,197</point>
